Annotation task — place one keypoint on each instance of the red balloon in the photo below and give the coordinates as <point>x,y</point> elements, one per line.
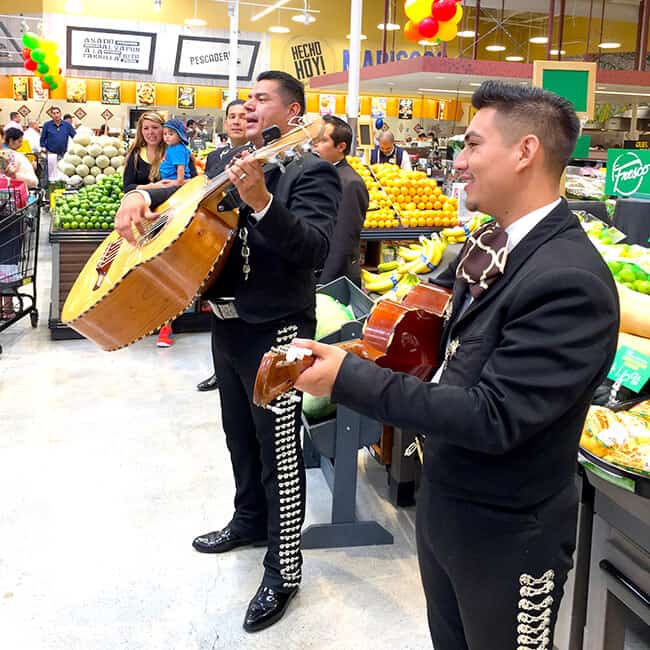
<point>45,85</point>
<point>428,27</point>
<point>27,53</point>
<point>444,10</point>
<point>30,65</point>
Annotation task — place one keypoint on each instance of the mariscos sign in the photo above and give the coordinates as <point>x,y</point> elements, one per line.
<point>628,173</point>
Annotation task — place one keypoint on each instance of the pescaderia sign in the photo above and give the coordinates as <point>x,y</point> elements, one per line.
<point>628,173</point>
<point>89,48</point>
<point>209,58</point>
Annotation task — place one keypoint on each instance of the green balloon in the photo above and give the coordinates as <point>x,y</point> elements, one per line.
<point>43,68</point>
<point>53,86</point>
<point>38,55</point>
<point>48,79</point>
<point>31,40</point>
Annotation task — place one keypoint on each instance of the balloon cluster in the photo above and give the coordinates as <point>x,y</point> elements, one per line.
<point>40,57</point>
<point>426,19</point>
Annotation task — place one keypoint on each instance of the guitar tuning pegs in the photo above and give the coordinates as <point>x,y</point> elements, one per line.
<point>276,161</point>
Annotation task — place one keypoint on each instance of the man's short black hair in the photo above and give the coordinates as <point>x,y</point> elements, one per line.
<point>342,132</point>
<point>533,110</point>
<point>291,88</point>
<point>67,116</point>
<point>234,102</point>
<point>13,134</point>
<point>14,115</point>
<point>190,122</point>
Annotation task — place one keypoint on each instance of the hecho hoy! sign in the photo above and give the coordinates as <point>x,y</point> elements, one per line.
<point>628,173</point>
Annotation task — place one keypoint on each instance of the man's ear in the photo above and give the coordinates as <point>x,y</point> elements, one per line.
<point>340,147</point>
<point>529,149</point>
<point>294,109</point>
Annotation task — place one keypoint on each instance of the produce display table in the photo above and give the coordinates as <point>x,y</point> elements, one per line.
<point>70,251</point>
<point>632,216</point>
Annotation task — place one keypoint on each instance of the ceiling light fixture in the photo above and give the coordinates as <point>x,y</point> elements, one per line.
<point>514,58</point>
<point>269,9</point>
<point>195,21</point>
<point>538,40</point>
<point>467,33</point>
<point>556,52</point>
<point>630,94</point>
<point>362,37</point>
<point>495,48</point>
<point>446,90</point>
<point>279,29</point>
<point>425,43</point>
<point>305,19</point>
<point>609,45</point>
<point>473,83</point>
<point>389,27</point>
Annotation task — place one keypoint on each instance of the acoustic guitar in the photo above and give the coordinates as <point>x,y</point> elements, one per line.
<point>402,336</point>
<point>125,292</point>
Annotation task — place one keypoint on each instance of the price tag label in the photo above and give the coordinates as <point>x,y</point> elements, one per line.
<point>630,368</point>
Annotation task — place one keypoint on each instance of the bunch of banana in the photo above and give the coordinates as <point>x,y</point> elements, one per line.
<point>459,234</point>
<point>381,282</point>
<point>428,255</point>
<point>408,281</point>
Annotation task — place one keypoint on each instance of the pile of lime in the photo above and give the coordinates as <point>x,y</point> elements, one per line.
<point>93,207</point>
<point>630,275</point>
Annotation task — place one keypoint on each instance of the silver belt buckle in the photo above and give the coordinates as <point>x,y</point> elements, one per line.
<point>224,311</point>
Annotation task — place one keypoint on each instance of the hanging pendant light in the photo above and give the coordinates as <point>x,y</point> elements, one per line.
<point>604,44</point>
<point>195,21</point>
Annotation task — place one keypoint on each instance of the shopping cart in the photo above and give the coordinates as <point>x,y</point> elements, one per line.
<point>19,226</point>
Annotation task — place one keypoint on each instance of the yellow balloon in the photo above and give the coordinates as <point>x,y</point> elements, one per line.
<point>447,31</point>
<point>416,10</point>
<point>49,46</point>
<point>459,15</point>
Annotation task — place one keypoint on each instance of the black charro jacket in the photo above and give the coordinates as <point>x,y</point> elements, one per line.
<point>504,423</point>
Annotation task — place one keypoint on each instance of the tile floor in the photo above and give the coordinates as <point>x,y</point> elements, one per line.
<point>111,463</point>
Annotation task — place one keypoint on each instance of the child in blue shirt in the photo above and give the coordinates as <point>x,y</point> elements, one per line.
<point>176,164</point>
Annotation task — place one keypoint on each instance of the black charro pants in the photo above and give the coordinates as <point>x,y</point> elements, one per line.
<point>264,447</point>
<point>493,577</point>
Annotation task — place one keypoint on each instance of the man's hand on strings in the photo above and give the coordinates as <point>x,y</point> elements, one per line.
<point>247,175</point>
<point>319,379</point>
<point>133,211</point>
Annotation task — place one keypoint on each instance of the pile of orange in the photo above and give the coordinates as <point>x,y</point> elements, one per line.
<point>404,199</point>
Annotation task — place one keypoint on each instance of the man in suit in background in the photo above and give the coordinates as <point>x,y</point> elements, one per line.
<point>215,163</point>
<point>265,296</point>
<point>531,333</point>
<point>343,259</point>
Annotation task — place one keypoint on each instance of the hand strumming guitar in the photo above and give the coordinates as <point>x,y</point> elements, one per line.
<point>132,212</point>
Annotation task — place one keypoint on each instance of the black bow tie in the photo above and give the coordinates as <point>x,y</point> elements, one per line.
<point>483,259</point>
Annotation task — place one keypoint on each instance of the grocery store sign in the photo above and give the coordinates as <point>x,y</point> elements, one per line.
<point>209,58</point>
<point>628,173</point>
<point>630,369</point>
<point>121,51</point>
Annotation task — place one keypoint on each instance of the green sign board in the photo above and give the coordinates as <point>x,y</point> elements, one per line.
<point>570,84</point>
<point>582,147</point>
<point>631,368</point>
<point>628,173</point>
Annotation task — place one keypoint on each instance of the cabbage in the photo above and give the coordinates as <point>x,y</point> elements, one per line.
<point>94,150</point>
<point>120,170</point>
<point>89,180</point>
<point>89,161</point>
<point>83,170</point>
<point>75,180</point>
<point>109,171</point>
<point>110,151</point>
<point>72,158</point>
<point>116,161</point>
<point>100,177</point>
<point>330,315</point>
<point>316,408</point>
<point>67,168</point>
<point>95,171</point>
<point>102,161</point>
<point>84,136</point>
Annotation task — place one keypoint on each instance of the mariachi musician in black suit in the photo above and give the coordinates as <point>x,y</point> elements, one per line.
<point>343,260</point>
<point>531,333</point>
<point>265,296</point>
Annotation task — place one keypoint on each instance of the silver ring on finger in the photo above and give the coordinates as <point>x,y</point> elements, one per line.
<point>243,176</point>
